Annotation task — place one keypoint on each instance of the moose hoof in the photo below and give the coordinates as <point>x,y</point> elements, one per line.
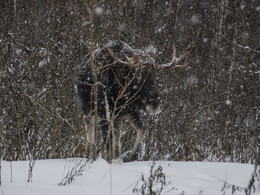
<point>128,157</point>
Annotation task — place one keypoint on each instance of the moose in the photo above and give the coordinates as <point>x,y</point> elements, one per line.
<point>117,84</point>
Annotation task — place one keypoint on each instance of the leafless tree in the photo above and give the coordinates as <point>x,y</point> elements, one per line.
<point>210,110</point>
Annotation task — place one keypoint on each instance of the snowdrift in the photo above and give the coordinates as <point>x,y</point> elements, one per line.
<point>81,176</point>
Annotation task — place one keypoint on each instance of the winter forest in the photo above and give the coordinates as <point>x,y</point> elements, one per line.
<point>210,110</point>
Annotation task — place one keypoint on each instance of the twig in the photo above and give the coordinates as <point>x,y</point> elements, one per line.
<point>57,116</point>
<point>27,49</point>
<point>243,47</point>
<point>76,170</point>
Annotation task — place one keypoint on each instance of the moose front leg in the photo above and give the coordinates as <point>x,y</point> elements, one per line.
<point>118,126</point>
<point>140,133</point>
<point>112,143</point>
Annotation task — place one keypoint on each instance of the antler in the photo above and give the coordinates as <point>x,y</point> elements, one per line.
<point>174,63</point>
<point>135,61</point>
<point>132,62</point>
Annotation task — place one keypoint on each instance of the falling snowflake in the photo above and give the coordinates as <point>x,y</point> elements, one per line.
<point>228,102</point>
<point>99,10</point>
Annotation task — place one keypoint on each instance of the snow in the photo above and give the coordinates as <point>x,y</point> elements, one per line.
<point>228,102</point>
<point>100,177</point>
<point>99,10</point>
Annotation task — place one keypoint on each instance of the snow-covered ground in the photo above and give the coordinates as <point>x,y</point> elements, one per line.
<point>101,178</point>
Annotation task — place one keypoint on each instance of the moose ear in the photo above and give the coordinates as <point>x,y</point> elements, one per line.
<point>130,62</point>
<point>129,59</point>
<point>133,60</point>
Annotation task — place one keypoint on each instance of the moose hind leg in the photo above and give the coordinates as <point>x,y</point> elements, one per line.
<point>90,138</point>
<point>116,144</point>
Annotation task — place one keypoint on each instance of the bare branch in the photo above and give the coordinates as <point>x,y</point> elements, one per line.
<point>48,112</point>
<point>243,47</point>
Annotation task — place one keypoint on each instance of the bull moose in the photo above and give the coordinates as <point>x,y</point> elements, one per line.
<point>118,84</point>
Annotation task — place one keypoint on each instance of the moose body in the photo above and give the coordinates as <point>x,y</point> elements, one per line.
<point>124,89</point>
